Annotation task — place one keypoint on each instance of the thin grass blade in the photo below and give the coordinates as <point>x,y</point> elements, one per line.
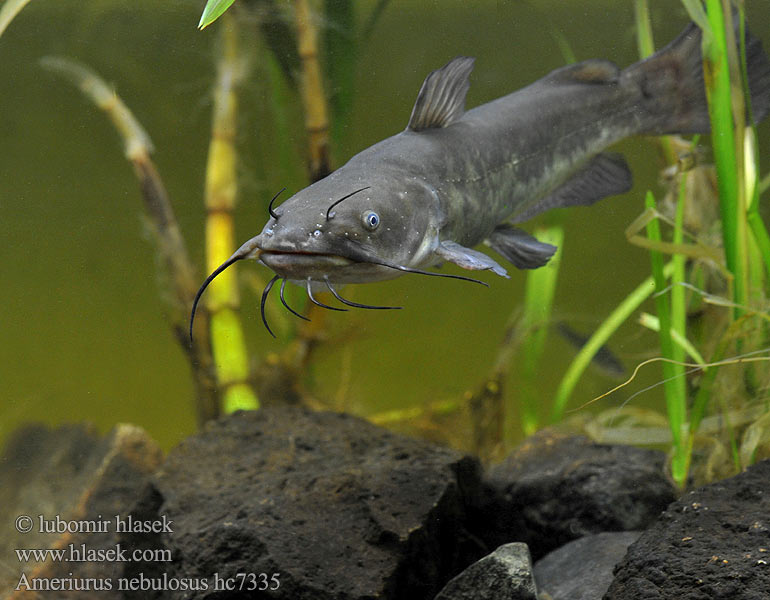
<point>212,11</point>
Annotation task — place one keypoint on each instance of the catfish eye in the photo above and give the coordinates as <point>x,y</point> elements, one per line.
<point>371,220</point>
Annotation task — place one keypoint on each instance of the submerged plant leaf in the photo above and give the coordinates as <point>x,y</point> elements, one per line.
<point>176,270</point>
<point>213,10</point>
<point>10,9</point>
<point>652,322</point>
<point>695,250</point>
<point>586,354</point>
<point>340,46</point>
<point>137,141</point>
<point>538,300</point>
<point>698,14</point>
<point>374,16</point>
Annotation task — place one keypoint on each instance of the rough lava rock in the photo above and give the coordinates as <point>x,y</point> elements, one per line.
<point>69,474</point>
<point>556,488</point>
<point>582,569</point>
<point>336,507</point>
<point>506,574</point>
<point>711,544</point>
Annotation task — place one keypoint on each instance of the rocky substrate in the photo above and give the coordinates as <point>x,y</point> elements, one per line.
<point>285,503</point>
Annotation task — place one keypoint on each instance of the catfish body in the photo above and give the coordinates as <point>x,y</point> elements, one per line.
<point>456,178</point>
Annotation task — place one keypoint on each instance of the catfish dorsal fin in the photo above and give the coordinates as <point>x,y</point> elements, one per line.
<point>441,100</point>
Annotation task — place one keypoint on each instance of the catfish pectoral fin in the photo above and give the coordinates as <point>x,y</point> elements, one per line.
<point>520,248</point>
<point>468,259</point>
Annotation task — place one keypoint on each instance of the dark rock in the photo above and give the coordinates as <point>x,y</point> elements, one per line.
<point>582,569</point>
<point>334,506</point>
<point>506,574</point>
<point>76,482</point>
<point>713,543</point>
<point>556,488</point>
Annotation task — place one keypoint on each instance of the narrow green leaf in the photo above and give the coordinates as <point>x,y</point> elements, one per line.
<point>698,14</point>
<point>652,322</point>
<point>670,321</point>
<point>643,28</point>
<point>213,10</point>
<point>9,10</point>
<point>538,301</point>
<point>719,92</point>
<point>586,354</point>
<point>374,16</point>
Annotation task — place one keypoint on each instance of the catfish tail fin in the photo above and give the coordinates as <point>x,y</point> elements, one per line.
<point>673,96</point>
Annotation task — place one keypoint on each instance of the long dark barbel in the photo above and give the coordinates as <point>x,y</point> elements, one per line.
<point>247,250</point>
<point>206,283</point>
<point>316,302</point>
<point>355,304</point>
<point>429,273</point>
<point>250,250</point>
<point>330,214</point>
<point>270,206</point>
<point>289,308</point>
<point>265,292</point>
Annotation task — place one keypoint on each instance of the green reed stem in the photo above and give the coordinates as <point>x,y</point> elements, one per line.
<point>646,46</point>
<point>671,314</point>
<point>177,272</point>
<point>644,40</point>
<point>678,300</point>
<point>723,138</point>
<point>227,339</point>
<point>761,237</point>
<point>538,301</point>
<point>340,46</point>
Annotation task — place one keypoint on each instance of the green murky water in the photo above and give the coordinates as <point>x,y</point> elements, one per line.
<point>82,331</point>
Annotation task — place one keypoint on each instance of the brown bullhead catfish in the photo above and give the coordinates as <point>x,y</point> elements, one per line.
<point>455,178</point>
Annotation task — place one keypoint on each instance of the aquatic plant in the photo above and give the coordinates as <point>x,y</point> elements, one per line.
<point>227,340</point>
<point>9,10</point>
<point>176,268</point>
<point>741,327</point>
<point>316,54</point>
<point>225,376</point>
<point>713,420</point>
<point>680,287</point>
<point>212,11</point>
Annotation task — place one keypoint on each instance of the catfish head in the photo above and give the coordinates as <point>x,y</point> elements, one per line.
<point>345,228</point>
<point>350,229</point>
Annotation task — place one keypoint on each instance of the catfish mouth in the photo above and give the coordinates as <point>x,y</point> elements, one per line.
<point>280,261</point>
<point>313,268</point>
<point>300,266</point>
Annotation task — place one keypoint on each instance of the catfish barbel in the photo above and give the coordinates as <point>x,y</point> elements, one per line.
<point>455,178</point>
